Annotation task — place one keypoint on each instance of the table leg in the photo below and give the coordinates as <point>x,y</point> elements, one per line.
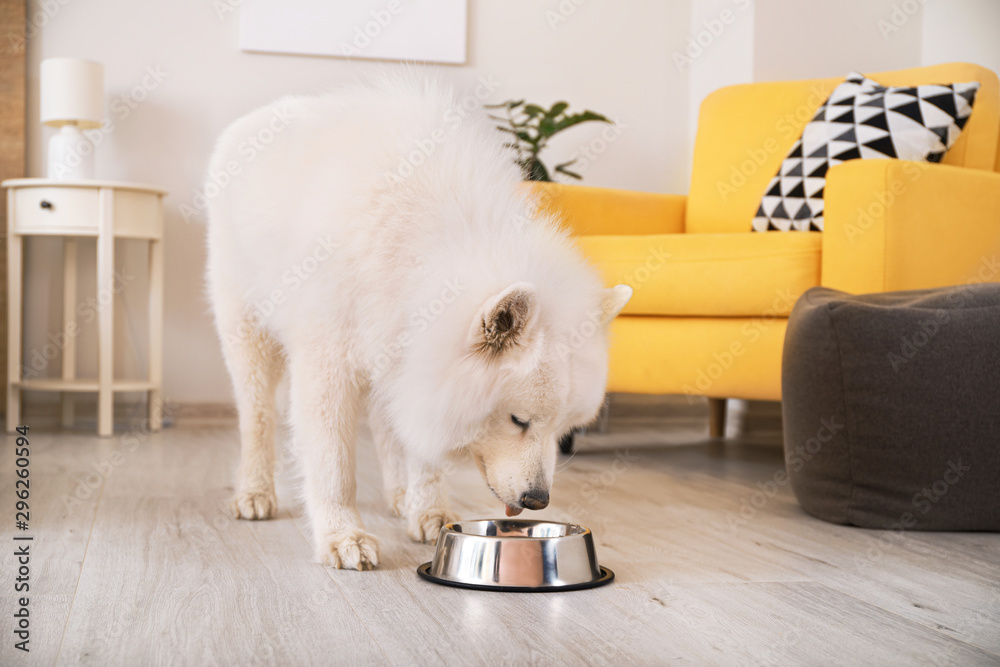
<point>69,326</point>
<point>156,334</point>
<point>717,417</point>
<point>106,314</point>
<point>14,260</point>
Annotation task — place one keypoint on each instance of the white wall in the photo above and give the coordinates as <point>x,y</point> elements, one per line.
<point>961,31</point>
<point>600,54</point>
<point>797,39</point>
<point>718,51</point>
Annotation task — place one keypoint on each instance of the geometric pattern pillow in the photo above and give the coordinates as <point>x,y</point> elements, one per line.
<point>862,120</point>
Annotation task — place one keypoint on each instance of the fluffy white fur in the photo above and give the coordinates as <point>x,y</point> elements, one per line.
<point>379,246</point>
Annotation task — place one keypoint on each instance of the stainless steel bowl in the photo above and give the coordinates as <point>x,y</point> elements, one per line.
<point>516,555</point>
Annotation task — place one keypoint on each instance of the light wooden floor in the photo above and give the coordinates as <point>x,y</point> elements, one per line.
<point>137,563</point>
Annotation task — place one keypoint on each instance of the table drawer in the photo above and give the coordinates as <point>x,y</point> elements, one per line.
<point>56,210</point>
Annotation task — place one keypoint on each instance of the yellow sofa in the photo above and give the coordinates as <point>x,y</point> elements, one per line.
<point>712,298</point>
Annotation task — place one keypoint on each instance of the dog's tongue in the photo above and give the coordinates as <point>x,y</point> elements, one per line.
<point>514,511</point>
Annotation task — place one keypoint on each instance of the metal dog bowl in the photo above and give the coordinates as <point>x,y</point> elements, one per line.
<point>515,555</point>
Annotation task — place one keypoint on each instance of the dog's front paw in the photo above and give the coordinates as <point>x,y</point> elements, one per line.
<point>254,505</point>
<point>349,550</point>
<point>425,526</point>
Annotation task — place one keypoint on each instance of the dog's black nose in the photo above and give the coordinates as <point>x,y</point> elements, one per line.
<point>536,499</point>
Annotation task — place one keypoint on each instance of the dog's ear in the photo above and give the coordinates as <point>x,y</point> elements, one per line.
<point>505,320</point>
<point>613,300</point>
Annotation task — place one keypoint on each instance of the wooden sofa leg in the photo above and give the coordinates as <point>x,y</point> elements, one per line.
<point>717,417</point>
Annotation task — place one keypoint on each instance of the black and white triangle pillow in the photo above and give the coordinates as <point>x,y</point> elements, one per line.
<point>862,120</point>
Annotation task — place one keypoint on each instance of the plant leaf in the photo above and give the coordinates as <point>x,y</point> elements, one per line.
<point>557,109</point>
<point>533,125</point>
<point>547,127</point>
<point>572,174</point>
<point>536,171</point>
<point>576,119</point>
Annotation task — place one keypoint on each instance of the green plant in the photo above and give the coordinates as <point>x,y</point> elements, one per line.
<point>531,127</point>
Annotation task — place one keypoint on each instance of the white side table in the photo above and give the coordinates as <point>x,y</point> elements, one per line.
<point>71,209</point>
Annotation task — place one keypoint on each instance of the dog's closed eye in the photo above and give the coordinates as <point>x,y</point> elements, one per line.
<point>520,422</point>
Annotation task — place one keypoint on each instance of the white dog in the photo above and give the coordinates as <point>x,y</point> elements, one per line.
<point>378,243</point>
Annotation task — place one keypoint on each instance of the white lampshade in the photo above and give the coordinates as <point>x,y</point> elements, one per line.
<point>72,91</point>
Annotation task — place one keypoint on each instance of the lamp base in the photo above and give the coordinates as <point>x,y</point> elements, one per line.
<point>71,155</point>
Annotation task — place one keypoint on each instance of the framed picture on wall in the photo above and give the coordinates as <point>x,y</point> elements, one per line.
<point>422,30</point>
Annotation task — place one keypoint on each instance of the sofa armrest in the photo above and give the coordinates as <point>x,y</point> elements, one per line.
<point>898,225</point>
<point>588,210</point>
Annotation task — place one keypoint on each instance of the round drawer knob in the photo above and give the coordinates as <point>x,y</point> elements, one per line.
<point>45,204</point>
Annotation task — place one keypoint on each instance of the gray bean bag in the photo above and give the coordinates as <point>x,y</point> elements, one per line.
<point>891,406</point>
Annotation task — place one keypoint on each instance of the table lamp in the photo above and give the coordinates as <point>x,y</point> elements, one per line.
<point>72,99</point>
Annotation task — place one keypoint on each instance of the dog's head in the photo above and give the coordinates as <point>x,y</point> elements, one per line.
<point>549,379</point>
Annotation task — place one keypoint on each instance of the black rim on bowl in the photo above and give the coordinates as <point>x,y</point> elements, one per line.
<point>607,576</point>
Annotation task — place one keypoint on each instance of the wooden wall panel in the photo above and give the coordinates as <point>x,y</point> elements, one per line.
<point>13,34</point>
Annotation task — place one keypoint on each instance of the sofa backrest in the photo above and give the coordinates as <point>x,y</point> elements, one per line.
<point>745,131</point>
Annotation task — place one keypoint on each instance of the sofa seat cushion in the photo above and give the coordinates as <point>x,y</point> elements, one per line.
<point>712,275</point>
